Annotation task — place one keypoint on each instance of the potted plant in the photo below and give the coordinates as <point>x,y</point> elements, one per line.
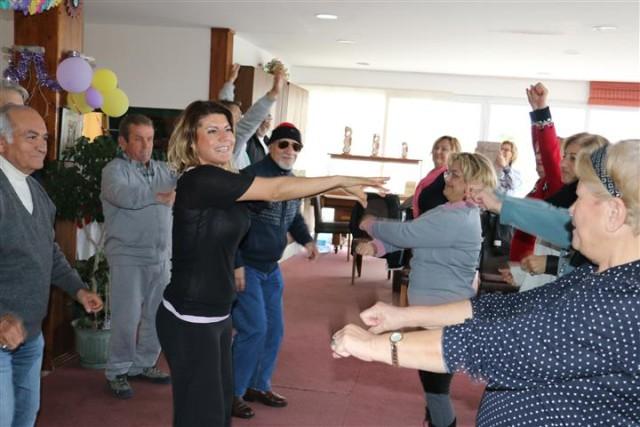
<point>73,183</point>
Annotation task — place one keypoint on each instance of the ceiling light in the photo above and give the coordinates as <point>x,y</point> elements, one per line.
<point>364,64</point>
<point>345,41</point>
<point>326,16</point>
<point>603,28</point>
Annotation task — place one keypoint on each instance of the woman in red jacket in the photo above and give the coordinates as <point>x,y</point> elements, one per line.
<point>547,149</point>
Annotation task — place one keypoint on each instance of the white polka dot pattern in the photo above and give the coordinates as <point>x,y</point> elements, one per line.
<point>565,354</point>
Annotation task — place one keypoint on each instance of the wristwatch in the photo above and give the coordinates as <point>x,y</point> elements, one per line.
<point>394,339</point>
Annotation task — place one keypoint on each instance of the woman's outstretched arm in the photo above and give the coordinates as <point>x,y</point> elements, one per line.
<point>291,187</point>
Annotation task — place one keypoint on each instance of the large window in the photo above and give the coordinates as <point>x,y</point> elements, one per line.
<point>419,122</point>
<point>330,110</point>
<point>615,123</point>
<point>419,119</point>
<point>511,122</point>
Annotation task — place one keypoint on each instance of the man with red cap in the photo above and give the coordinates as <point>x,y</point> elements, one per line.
<point>257,314</point>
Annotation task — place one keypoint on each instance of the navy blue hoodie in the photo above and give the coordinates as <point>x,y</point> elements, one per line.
<point>266,240</point>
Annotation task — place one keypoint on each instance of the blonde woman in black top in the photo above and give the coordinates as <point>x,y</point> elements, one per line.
<point>193,320</point>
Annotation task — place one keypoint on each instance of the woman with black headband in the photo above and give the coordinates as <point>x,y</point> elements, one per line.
<point>563,354</point>
<point>549,219</point>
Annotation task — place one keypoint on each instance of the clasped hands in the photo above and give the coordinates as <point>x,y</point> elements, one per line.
<point>353,340</point>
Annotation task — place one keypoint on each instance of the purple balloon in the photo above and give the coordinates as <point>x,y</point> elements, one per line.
<point>94,98</point>
<point>74,74</point>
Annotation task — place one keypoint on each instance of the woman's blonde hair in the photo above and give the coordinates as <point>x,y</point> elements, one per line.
<point>587,141</point>
<point>622,166</point>
<point>475,167</point>
<point>453,142</point>
<point>514,150</point>
<point>182,151</point>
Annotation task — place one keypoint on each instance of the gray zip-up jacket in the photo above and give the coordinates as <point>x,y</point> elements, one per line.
<point>137,226</point>
<point>445,242</point>
<point>248,125</point>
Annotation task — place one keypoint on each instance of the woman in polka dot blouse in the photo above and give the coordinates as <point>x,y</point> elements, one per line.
<point>567,353</point>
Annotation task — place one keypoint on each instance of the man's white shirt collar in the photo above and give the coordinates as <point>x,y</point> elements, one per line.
<point>18,181</point>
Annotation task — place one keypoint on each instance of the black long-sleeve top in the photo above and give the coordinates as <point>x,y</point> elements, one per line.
<point>208,225</point>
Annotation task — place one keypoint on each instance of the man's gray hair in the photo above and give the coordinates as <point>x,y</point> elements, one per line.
<point>6,128</point>
<point>10,85</point>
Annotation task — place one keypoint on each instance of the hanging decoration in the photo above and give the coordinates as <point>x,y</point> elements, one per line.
<point>74,74</point>
<point>89,89</point>
<point>29,7</point>
<point>74,7</point>
<point>18,71</point>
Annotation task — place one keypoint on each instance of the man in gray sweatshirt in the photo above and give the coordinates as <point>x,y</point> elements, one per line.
<point>30,261</point>
<point>137,195</point>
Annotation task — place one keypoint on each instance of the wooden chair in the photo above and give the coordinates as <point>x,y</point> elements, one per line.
<point>331,227</point>
<point>380,207</point>
<point>492,258</point>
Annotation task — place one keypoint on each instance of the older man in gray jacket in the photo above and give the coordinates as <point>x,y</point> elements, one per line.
<point>137,195</point>
<point>30,261</point>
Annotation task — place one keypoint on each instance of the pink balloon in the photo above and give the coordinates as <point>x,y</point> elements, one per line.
<point>93,97</point>
<point>74,74</point>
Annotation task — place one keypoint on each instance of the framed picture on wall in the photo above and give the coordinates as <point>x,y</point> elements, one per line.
<point>71,124</point>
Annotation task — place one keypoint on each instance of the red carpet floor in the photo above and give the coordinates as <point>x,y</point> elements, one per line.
<point>321,391</point>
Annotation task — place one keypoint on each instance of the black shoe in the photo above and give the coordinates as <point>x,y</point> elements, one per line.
<point>240,409</point>
<point>268,398</point>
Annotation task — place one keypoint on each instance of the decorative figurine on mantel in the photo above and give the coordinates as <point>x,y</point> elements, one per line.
<point>375,146</point>
<point>405,150</point>
<point>346,147</point>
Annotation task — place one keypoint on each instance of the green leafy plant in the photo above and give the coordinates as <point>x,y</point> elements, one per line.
<point>95,272</point>
<point>73,183</point>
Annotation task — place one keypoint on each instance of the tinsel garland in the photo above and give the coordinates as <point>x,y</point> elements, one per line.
<point>20,72</point>
<point>29,7</point>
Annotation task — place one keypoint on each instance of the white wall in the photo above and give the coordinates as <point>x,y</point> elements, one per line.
<point>156,66</point>
<point>245,53</point>
<point>159,66</point>
<point>440,85</point>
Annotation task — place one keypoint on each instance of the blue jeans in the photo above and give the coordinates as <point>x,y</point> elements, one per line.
<point>20,383</point>
<point>259,323</point>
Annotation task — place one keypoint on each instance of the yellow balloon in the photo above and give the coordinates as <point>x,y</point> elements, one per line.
<point>104,80</point>
<point>77,103</point>
<point>116,103</point>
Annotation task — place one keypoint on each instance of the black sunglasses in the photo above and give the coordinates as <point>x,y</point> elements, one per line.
<point>284,144</point>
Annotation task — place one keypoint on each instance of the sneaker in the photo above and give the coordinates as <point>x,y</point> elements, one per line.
<point>153,375</point>
<point>120,387</point>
